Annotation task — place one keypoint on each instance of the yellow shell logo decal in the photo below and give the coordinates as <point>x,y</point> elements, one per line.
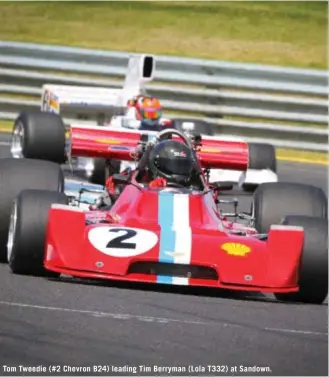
<point>236,249</point>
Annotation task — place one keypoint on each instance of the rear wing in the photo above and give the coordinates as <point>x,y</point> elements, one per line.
<point>110,143</point>
<point>98,105</point>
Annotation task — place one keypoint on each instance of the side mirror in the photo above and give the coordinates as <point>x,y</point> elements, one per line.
<point>121,179</point>
<point>222,186</point>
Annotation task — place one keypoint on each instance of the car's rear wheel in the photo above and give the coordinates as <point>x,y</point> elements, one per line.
<point>27,231</point>
<point>313,271</point>
<point>261,156</point>
<point>17,175</point>
<point>39,135</point>
<point>273,201</point>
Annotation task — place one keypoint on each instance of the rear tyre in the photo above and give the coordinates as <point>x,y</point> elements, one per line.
<point>39,135</point>
<point>273,201</point>
<point>27,232</point>
<point>313,272</point>
<point>261,156</point>
<point>18,175</point>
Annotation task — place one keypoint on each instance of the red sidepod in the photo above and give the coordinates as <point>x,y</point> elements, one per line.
<point>93,141</point>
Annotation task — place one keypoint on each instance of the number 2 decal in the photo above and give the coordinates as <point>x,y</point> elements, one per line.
<point>117,242</point>
<point>122,242</point>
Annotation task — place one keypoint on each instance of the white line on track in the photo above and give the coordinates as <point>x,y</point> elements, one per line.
<point>295,331</point>
<point>4,143</point>
<point>122,316</point>
<point>103,314</point>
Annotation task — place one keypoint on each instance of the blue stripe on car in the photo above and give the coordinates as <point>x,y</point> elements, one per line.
<point>167,235</point>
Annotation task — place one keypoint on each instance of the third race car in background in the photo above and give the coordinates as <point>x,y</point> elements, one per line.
<point>108,107</point>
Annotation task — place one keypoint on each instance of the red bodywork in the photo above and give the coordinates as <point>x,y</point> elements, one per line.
<point>96,141</point>
<point>168,235</point>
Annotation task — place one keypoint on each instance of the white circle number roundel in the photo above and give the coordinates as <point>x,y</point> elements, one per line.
<point>122,241</point>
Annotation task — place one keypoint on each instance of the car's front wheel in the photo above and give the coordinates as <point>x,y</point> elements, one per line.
<point>23,174</point>
<point>27,231</point>
<point>313,269</point>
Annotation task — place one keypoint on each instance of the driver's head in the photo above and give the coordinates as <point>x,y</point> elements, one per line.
<point>148,109</point>
<point>172,160</point>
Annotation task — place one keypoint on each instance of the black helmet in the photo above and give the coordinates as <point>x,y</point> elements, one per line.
<point>172,160</point>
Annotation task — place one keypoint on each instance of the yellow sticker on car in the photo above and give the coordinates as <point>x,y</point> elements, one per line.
<point>236,249</point>
<point>108,141</point>
<point>210,150</point>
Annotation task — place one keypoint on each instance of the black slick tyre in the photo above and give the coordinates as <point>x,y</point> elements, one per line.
<point>20,174</point>
<point>313,271</point>
<point>273,201</point>
<point>261,156</point>
<point>39,135</point>
<point>27,232</point>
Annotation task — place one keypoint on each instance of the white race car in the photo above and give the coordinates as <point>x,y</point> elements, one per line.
<point>108,107</point>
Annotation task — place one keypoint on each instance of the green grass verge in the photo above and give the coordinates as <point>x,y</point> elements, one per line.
<point>6,125</point>
<point>283,33</point>
<point>302,156</point>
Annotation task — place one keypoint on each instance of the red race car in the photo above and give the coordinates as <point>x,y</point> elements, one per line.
<point>166,226</point>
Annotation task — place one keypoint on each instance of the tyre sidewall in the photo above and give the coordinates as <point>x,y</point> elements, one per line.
<point>32,208</point>
<point>313,269</point>
<point>17,175</point>
<point>44,136</point>
<point>273,201</point>
<point>262,157</point>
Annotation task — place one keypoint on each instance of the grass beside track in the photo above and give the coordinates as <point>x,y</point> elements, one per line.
<point>6,125</point>
<point>279,33</point>
<point>282,33</point>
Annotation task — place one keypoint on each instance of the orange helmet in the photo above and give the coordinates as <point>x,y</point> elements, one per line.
<point>147,108</point>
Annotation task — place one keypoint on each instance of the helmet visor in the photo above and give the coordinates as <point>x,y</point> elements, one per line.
<point>178,167</point>
<point>151,113</point>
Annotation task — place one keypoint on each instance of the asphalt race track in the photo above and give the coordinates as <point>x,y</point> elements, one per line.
<point>45,322</point>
